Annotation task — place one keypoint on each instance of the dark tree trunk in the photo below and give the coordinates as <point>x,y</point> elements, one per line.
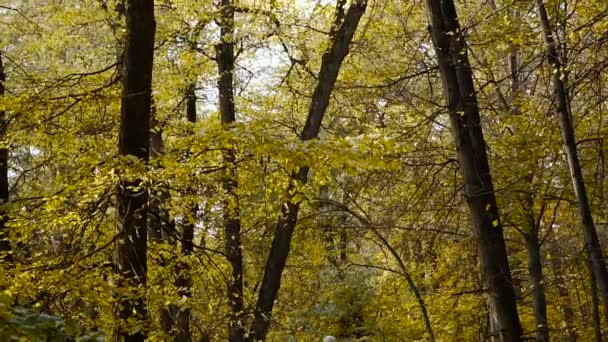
<point>281,243</point>
<point>5,246</point>
<point>562,103</point>
<point>130,257</point>
<point>470,145</point>
<point>232,221</point>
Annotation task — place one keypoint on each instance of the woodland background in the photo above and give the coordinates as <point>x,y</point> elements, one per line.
<point>244,170</point>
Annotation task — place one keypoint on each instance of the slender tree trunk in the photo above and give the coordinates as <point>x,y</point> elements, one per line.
<point>184,280</point>
<point>463,110</point>
<point>5,246</point>
<point>535,267</point>
<point>160,225</point>
<point>531,226</point>
<point>130,257</point>
<point>281,244</point>
<point>595,304</point>
<point>562,103</point>
<point>232,221</point>
<point>562,290</point>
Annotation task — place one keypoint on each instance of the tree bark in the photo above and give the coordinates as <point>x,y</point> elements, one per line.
<point>232,221</point>
<point>562,103</point>
<point>5,246</point>
<point>130,257</point>
<point>275,264</point>
<point>463,110</point>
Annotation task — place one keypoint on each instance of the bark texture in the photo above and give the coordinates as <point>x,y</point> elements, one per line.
<point>130,258</point>
<point>465,122</point>
<point>562,102</point>
<point>281,244</point>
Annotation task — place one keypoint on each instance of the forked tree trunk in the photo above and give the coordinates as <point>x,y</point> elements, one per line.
<point>130,257</point>
<point>562,103</point>
<point>281,244</point>
<point>463,110</point>
<point>232,221</point>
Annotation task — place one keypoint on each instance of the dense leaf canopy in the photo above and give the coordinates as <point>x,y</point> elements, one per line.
<point>383,247</point>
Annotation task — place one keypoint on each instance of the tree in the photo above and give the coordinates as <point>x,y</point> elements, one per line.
<point>281,243</point>
<point>463,110</point>
<point>130,261</point>
<point>565,119</point>
<point>381,245</point>
<point>232,223</point>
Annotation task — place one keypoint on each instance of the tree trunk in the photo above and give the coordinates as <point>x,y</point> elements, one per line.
<point>562,103</point>
<point>595,304</point>
<point>5,246</point>
<point>562,290</point>
<point>160,225</point>
<point>531,226</point>
<point>463,110</point>
<point>535,267</point>
<point>183,280</point>
<point>281,243</point>
<point>130,257</point>
<point>232,221</point>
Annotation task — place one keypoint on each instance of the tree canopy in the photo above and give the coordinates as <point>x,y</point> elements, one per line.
<point>292,170</point>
